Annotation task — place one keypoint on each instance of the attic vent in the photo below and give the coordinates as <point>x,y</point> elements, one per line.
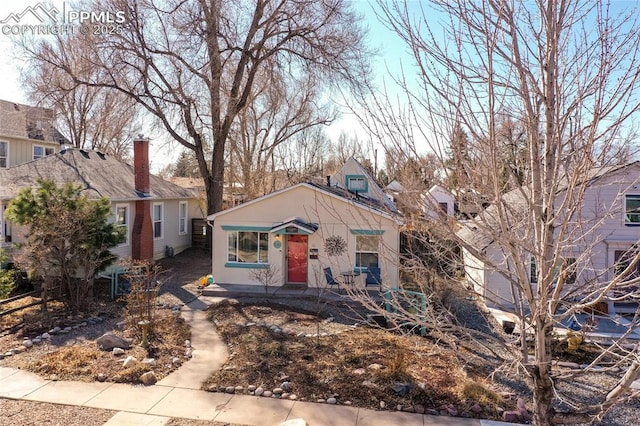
<point>101,155</point>
<point>84,153</point>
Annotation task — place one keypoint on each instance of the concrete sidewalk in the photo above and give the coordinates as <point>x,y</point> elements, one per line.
<point>179,395</point>
<point>155,405</point>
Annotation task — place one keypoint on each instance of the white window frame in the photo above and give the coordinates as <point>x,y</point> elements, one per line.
<point>44,149</point>
<point>627,214</point>
<point>6,157</point>
<point>236,255</point>
<point>126,224</point>
<point>183,219</point>
<point>533,271</point>
<point>159,220</point>
<point>358,264</point>
<point>357,183</point>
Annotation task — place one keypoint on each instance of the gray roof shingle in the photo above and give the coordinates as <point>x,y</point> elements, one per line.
<point>98,174</point>
<point>28,122</point>
<point>479,233</point>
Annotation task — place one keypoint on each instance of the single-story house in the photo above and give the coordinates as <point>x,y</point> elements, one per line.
<point>346,224</point>
<point>600,242</point>
<point>155,213</point>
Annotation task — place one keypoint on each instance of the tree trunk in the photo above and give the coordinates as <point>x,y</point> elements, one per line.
<point>542,383</point>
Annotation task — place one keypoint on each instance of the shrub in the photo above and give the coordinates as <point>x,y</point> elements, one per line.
<point>7,283</point>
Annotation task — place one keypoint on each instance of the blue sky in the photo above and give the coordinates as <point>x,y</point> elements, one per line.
<point>393,53</point>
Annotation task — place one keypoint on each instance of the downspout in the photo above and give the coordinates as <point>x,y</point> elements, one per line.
<point>210,224</point>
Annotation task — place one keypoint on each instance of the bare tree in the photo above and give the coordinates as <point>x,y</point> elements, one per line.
<point>93,118</point>
<point>568,73</point>
<point>194,65</point>
<point>277,112</point>
<point>303,158</point>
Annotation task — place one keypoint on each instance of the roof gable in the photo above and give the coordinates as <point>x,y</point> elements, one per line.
<point>353,177</point>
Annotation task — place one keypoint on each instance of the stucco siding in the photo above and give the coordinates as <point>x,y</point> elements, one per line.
<point>335,217</point>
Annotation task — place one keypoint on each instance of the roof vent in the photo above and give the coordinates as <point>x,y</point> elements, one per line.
<point>101,155</point>
<point>84,153</point>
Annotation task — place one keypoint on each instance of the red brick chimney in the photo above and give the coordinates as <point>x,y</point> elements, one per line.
<point>142,234</point>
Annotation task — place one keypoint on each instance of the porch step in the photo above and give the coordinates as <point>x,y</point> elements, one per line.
<point>294,286</point>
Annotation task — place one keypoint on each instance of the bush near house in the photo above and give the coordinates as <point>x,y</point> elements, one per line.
<point>68,237</point>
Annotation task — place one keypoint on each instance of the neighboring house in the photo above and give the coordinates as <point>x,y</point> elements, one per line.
<point>232,194</point>
<point>347,224</point>
<point>605,232</point>
<point>26,134</point>
<point>433,203</point>
<point>155,213</point>
<point>438,201</point>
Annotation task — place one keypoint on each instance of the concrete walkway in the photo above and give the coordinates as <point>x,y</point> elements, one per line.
<point>178,395</point>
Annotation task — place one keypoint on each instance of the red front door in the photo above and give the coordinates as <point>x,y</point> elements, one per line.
<point>297,258</point>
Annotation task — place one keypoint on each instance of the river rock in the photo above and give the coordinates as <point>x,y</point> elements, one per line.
<point>294,422</point>
<point>108,341</point>
<point>129,361</point>
<point>149,361</point>
<point>149,378</point>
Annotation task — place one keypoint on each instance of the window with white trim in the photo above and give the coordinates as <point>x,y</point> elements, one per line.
<point>248,247</point>
<point>367,251</point>
<point>42,151</point>
<point>122,220</point>
<point>632,209</point>
<point>533,271</point>
<point>182,218</point>
<point>569,269</point>
<point>624,259</point>
<point>158,214</point>
<point>357,183</point>
<point>4,155</point>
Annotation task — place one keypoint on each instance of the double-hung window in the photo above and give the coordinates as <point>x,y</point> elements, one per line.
<point>632,210</point>
<point>367,251</point>
<point>4,155</point>
<point>533,271</point>
<point>568,269</point>
<point>182,218</point>
<point>122,220</point>
<point>622,268</point>
<point>158,213</point>
<point>41,151</point>
<point>248,247</point>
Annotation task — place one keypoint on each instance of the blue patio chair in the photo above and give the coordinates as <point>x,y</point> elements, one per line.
<point>373,276</point>
<point>328,275</point>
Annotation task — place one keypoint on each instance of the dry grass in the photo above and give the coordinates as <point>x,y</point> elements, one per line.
<point>344,364</point>
<point>79,358</point>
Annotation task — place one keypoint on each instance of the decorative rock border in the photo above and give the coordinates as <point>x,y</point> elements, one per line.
<point>28,343</point>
